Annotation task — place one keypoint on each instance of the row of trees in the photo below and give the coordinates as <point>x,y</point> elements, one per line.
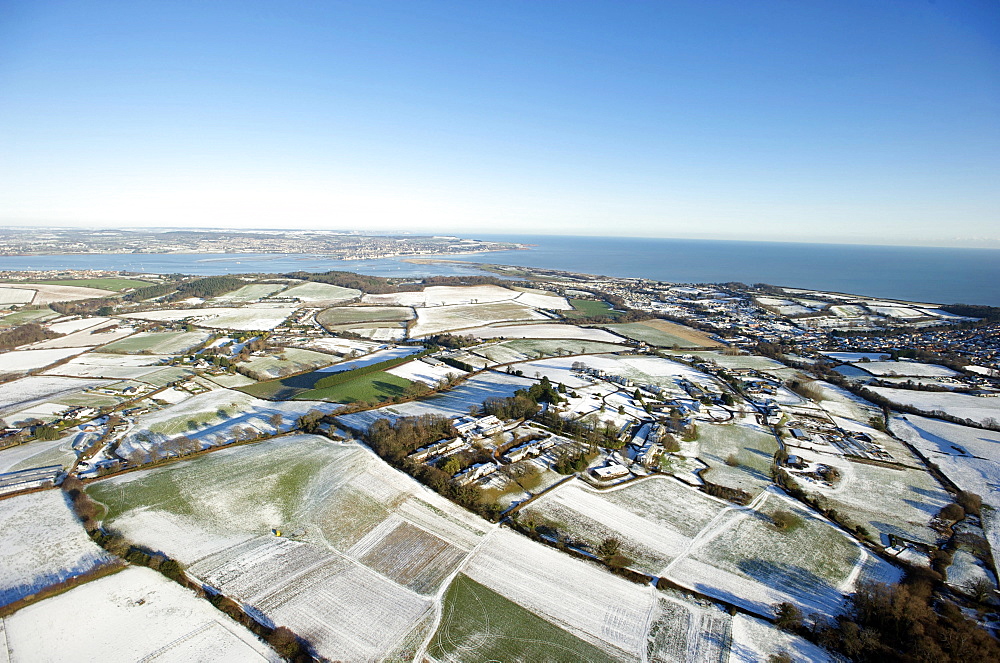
<point>24,334</point>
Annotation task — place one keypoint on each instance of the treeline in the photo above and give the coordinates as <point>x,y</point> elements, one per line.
<point>23,334</point>
<point>901,623</point>
<point>375,285</point>
<point>347,376</point>
<point>211,286</point>
<point>986,313</point>
<point>524,403</point>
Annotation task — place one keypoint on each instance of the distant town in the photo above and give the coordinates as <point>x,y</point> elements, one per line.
<point>333,244</point>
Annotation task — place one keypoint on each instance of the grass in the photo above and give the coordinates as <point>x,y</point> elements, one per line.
<point>22,317</point>
<point>242,481</point>
<point>590,308</point>
<point>344,315</point>
<point>531,347</point>
<point>164,343</point>
<point>295,360</point>
<point>477,624</point>
<point>379,386</point>
<point>662,335</point>
<point>109,283</point>
<point>751,449</point>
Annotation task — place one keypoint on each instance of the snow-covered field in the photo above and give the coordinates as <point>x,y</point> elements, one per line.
<point>970,457</point>
<point>86,338</point>
<point>19,394</point>
<point>438,319</point>
<point>655,519</point>
<point>71,325</point>
<point>159,343</point>
<point>421,371</point>
<point>286,362</point>
<point>321,292</point>
<point>589,602</point>
<point>133,615</point>
<point>856,356</point>
<point>14,295</point>
<point>213,418</point>
<point>21,361</point>
<point>41,543</point>
<point>453,403</point>
<point>963,406</point>
<point>755,640</point>
<point>249,293</point>
<point>743,558</point>
<point>906,369</point>
<point>362,545</point>
<point>39,454</point>
<point>47,294</point>
<point>645,370</point>
<point>479,294</point>
<point>544,330</point>
<point>248,318</point>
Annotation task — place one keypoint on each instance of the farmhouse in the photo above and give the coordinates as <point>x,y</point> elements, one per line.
<point>609,472</point>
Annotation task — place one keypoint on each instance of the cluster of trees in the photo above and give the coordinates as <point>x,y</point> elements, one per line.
<point>393,441</point>
<point>524,403</point>
<point>569,462</point>
<point>376,285</point>
<point>23,334</point>
<point>453,341</point>
<point>905,622</point>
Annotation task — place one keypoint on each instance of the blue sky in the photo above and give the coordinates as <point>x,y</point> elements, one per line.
<point>803,121</point>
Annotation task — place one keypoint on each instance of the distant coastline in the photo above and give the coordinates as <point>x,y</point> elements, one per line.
<point>919,274</point>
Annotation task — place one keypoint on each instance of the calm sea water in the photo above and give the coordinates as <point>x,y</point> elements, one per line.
<point>937,275</point>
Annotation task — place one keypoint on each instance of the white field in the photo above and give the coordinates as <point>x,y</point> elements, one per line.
<point>742,558</point>
<point>247,318</point>
<point>47,294</point>
<point>544,330</point>
<point>153,618</point>
<point>651,370</point>
<point>15,295</point>
<point>343,346</point>
<point>41,453</point>
<point>85,339</point>
<point>842,403</point>
<point>249,293</point>
<point>22,393</point>
<point>754,640</point>
<point>439,319</point>
<point>655,519</point>
<point>72,325</point>
<point>296,360</point>
<point>851,357</point>
<point>453,403</point>
<point>321,292</point>
<point>21,361</point>
<point>965,569</point>
<point>212,418</point>
<point>589,602</point>
<point>110,366</point>
<point>907,369</point>
<point>970,457</point>
<point>41,543</point>
<point>421,371</point>
<point>347,611</point>
<point>364,547</point>
<point>963,406</point>
<point>446,295</point>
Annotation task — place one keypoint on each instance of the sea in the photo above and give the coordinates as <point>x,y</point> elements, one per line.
<point>920,274</point>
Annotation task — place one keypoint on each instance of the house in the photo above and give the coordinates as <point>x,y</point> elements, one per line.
<point>609,472</point>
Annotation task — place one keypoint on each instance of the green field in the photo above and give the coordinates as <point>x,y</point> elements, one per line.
<point>657,337</point>
<point>23,317</point>
<point>346,315</point>
<point>251,292</point>
<point>477,624</point>
<point>296,360</point>
<point>753,451</point>
<point>158,343</point>
<point>272,478</point>
<point>110,283</point>
<point>590,308</point>
<point>371,387</point>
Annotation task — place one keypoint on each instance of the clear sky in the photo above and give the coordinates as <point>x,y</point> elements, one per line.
<point>873,121</point>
